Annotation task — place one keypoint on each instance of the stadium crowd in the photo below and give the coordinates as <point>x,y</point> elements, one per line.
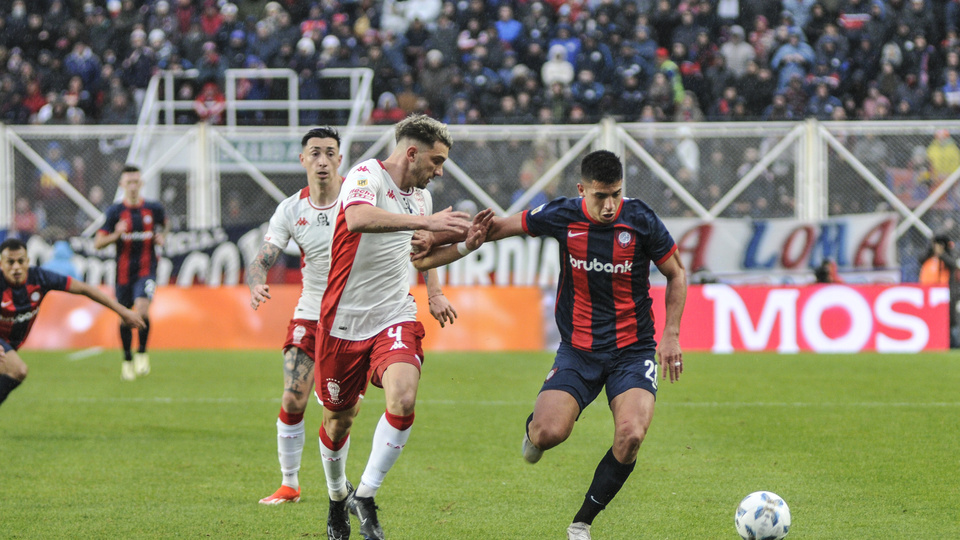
<point>496,61</point>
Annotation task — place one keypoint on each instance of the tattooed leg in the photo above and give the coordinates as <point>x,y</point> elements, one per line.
<point>297,380</point>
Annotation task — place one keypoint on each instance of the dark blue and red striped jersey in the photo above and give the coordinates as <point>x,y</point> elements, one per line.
<point>136,248</point>
<point>603,300</point>
<point>19,304</point>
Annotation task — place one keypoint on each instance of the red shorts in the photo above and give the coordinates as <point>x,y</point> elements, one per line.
<point>343,367</point>
<point>302,334</point>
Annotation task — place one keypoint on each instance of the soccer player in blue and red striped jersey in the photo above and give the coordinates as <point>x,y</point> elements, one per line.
<point>604,314</point>
<point>21,290</point>
<point>137,227</point>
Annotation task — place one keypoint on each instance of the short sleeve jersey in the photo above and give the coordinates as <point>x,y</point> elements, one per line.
<point>603,300</point>
<point>19,304</point>
<point>369,288</point>
<point>310,226</point>
<point>136,248</point>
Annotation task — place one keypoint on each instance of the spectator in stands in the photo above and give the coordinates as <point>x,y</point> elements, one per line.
<point>531,170</point>
<point>119,110</point>
<point>236,50</point>
<point>737,52</point>
<point>937,107</point>
<point>138,66</point>
<point>792,58</point>
<point>873,102</point>
<point>943,154</point>
<point>778,110</point>
<point>25,221</point>
<point>211,67</point>
<point>686,32</point>
<point>82,62</point>
<point>508,28</point>
<point>588,93</point>
<point>689,109</point>
<point>722,108</point>
<point>210,104</point>
<point>387,111</point>
<point>826,272</point>
<point>821,104</point>
<point>13,111</point>
<point>558,69</point>
<point>61,261</point>
<point>457,111</point>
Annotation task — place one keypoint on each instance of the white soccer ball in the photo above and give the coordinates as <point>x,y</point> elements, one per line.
<point>762,515</point>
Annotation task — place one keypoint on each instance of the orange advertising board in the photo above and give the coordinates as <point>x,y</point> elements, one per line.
<point>489,319</point>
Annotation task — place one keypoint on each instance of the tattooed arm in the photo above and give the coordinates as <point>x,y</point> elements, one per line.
<point>257,273</point>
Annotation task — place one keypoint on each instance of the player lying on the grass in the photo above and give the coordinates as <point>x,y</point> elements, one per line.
<point>22,288</point>
<point>605,319</point>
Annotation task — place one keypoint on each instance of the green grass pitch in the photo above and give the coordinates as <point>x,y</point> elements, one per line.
<point>860,446</point>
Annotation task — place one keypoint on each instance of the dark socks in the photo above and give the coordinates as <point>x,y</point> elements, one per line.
<point>7,384</point>
<point>607,481</point>
<point>126,338</point>
<point>143,335</point>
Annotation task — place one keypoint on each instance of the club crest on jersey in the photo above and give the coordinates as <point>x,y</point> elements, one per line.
<point>147,219</point>
<point>35,297</point>
<point>302,221</point>
<point>333,388</point>
<point>625,238</point>
<point>298,333</point>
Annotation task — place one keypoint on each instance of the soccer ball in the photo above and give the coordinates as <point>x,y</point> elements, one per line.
<point>762,515</point>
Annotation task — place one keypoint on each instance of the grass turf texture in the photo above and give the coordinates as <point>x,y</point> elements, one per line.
<point>860,446</point>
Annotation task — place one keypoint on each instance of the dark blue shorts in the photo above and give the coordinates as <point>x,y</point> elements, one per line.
<point>583,374</point>
<point>6,346</point>
<point>141,288</point>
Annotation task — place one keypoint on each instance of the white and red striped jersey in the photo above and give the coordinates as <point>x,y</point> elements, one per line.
<point>369,284</point>
<point>297,218</point>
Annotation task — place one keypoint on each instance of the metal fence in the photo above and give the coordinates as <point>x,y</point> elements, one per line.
<point>56,181</point>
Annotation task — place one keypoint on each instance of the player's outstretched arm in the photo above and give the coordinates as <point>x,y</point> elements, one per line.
<point>366,218</point>
<point>671,358</point>
<point>452,252</point>
<point>257,273</point>
<point>501,228</point>
<point>130,318</point>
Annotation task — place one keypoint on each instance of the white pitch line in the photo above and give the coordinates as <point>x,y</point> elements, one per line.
<point>84,353</point>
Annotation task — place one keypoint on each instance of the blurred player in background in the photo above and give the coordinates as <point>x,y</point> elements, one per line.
<point>22,288</point>
<point>368,320</point>
<point>137,227</point>
<point>307,218</point>
<point>604,313</point>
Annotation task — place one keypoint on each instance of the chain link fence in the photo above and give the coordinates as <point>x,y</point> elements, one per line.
<point>57,181</point>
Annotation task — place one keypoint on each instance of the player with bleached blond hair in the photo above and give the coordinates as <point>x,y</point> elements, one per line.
<point>368,320</point>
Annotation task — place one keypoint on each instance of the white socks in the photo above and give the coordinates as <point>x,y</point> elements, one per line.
<point>334,468</point>
<point>290,448</point>
<point>388,443</point>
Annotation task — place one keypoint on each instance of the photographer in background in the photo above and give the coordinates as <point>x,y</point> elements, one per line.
<point>940,268</point>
